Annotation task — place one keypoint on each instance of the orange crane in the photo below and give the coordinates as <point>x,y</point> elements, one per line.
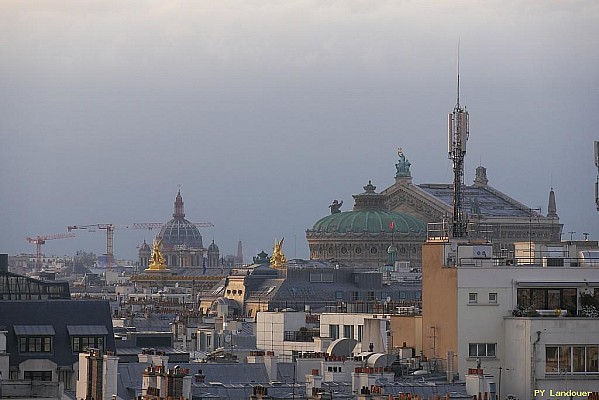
<point>109,238</point>
<point>39,240</point>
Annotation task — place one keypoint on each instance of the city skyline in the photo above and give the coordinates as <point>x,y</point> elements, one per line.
<point>264,113</point>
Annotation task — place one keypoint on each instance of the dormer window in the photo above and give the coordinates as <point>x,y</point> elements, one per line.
<point>85,337</point>
<point>35,338</point>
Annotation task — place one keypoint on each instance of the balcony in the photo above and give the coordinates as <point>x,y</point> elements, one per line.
<point>303,335</point>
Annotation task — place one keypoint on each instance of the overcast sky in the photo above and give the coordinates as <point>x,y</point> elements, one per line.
<point>266,111</point>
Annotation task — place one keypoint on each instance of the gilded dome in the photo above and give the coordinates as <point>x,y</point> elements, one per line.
<point>179,231</point>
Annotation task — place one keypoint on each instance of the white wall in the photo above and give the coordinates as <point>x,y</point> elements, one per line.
<point>486,323</point>
<point>270,332</point>
<point>524,358</point>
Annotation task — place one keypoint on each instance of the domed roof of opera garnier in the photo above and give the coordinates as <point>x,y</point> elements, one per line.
<point>179,231</point>
<point>370,215</point>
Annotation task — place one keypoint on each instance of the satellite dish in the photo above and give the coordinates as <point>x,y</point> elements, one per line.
<point>453,245</point>
<point>388,299</point>
<point>228,338</point>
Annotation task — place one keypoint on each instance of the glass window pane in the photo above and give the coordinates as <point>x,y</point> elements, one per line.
<point>482,350</point>
<point>472,350</point>
<point>346,331</point>
<point>564,359</point>
<point>569,301</point>
<point>491,350</point>
<point>523,297</point>
<point>578,358</point>
<point>551,359</point>
<point>553,299</point>
<point>592,358</point>
<point>537,300</point>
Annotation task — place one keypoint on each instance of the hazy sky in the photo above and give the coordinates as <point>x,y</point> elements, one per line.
<point>266,111</point>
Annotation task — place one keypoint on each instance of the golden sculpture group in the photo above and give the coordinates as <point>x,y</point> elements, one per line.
<point>157,262</point>
<point>278,259</point>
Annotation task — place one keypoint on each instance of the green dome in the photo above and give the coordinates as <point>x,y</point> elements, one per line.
<point>372,221</point>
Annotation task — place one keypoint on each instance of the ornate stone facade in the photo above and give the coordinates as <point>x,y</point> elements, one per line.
<point>362,237</point>
<point>492,215</point>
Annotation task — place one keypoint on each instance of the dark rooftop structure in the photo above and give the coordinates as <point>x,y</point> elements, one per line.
<point>19,287</point>
<point>53,332</point>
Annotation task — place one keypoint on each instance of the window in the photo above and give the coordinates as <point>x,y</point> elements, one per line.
<point>334,332</point>
<point>371,296</point>
<point>472,298</point>
<point>360,332</point>
<point>339,295</point>
<point>35,344</point>
<point>348,331</point>
<point>321,277</point>
<point>355,296</point>
<point>572,359</point>
<point>481,350</point>
<point>83,343</point>
<point>45,376</point>
<point>493,298</point>
<point>548,299</point>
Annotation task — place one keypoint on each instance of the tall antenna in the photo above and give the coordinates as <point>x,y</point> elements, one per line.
<point>457,136</point>
<point>458,89</point>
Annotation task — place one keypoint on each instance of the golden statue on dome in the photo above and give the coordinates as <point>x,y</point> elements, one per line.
<point>157,262</point>
<point>278,259</point>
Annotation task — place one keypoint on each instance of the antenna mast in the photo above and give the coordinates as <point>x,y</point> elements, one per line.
<point>457,131</point>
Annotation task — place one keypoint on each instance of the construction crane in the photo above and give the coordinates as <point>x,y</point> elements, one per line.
<point>158,225</point>
<point>39,240</point>
<point>109,238</point>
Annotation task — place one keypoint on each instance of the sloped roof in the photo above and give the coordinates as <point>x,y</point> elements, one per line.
<point>480,199</point>
<point>53,317</point>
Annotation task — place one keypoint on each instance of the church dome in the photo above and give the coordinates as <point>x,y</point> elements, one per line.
<point>213,248</point>
<point>370,215</point>
<point>179,231</point>
<point>145,248</point>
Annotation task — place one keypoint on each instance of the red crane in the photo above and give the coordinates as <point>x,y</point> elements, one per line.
<point>39,240</point>
<point>109,238</point>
